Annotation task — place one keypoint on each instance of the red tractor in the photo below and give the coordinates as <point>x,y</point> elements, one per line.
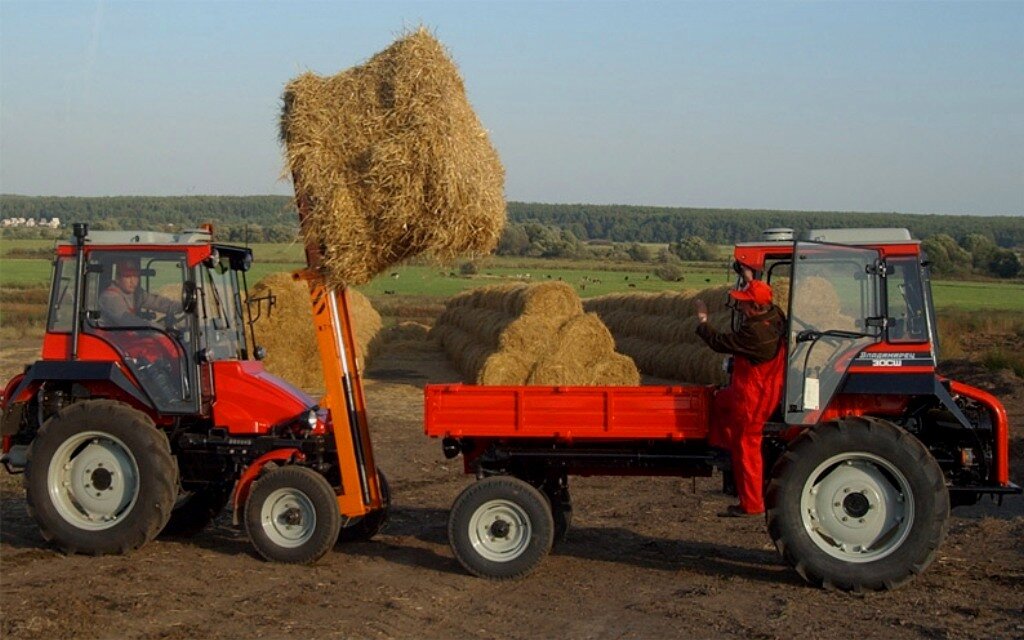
<point>150,409</point>
<point>868,449</point>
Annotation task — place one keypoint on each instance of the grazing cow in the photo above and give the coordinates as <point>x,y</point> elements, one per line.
<point>389,292</point>
<point>631,285</point>
<point>394,274</point>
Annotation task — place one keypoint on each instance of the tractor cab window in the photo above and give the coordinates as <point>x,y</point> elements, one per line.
<point>220,310</point>
<point>133,303</point>
<point>62,295</point>
<point>834,307</point>
<point>907,311</point>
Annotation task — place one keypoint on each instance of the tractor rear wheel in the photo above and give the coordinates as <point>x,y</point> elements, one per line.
<point>500,528</point>
<point>100,478</point>
<point>857,505</point>
<point>371,524</point>
<point>292,515</point>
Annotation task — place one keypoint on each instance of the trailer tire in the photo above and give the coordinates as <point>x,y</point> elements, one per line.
<point>292,515</point>
<point>372,523</point>
<point>194,510</point>
<point>100,478</point>
<point>500,528</point>
<point>857,505</point>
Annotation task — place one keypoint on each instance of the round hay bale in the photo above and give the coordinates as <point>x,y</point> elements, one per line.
<point>504,368</point>
<point>289,337</point>
<point>390,161</point>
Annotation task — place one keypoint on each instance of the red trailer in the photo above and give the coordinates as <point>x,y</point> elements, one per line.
<point>868,449</point>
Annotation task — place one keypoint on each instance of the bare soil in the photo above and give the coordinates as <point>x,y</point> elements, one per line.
<point>646,558</point>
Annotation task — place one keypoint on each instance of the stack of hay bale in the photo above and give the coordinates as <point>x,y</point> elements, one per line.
<point>389,161</point>
<point>288,334</point>
<point>657,330</point>
<point>530,334</point>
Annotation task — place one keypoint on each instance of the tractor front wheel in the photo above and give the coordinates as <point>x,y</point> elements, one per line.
<point>857,505</point>
<point>292,515</point>
<point>500,528</point>
<point>100,478</point>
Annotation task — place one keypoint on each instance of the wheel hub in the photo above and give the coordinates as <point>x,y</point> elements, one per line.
<point>93,480</point>
<point>856,504</point>
<point>288,517</point>
<point>500,529</point>
<point>102,479</point>
<point>857,507</point>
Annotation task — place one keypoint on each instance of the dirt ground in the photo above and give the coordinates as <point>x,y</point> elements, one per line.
<point>646,558</point>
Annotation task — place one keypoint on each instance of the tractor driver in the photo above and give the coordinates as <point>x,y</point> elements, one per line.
<point>121,302</point>
<point>741,409</point>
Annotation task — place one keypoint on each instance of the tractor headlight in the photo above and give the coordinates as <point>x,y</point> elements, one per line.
<point>311,418</point>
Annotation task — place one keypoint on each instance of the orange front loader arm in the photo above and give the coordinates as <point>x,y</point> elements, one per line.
<point>360,491</point>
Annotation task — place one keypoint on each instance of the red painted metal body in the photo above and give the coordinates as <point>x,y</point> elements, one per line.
<point>249,400</point>
<point>1000,425</point>
<point>568,414</point>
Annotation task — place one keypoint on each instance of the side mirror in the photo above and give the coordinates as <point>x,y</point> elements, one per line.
<point>188,296</point>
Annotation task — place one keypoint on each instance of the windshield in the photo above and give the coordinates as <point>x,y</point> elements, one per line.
<point>223,328</point>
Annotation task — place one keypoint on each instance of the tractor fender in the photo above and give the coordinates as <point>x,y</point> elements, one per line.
<point>75,371</point>
<point>253,471</point>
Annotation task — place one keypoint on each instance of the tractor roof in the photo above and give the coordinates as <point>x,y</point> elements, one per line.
<point>121,238</point>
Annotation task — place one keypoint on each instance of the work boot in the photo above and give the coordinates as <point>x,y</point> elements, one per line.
<point>736,511</point>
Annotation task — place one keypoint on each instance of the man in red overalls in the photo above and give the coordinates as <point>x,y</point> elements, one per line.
<point>741,409</point>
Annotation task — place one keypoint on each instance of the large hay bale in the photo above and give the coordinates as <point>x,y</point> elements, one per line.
<point>288,334</point>
<point>529,334</point>
<point>390,161</point>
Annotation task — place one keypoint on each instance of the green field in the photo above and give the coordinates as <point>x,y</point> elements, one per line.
<point>589,278</point>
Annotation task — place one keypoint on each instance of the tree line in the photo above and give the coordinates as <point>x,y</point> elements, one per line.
<point>960,244</point>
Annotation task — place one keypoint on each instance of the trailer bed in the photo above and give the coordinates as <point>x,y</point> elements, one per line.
<point>568,414</point>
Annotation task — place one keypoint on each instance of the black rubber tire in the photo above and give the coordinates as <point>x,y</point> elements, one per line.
<point>850,436</point>
<point>315,488</point>
<point>156,486</point>
<point>195,510</point>
<point>528,500</point>
<point>372,523</point>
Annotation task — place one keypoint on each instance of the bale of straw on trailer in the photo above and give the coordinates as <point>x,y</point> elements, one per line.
<point>529,334</point>
<point>289,337</point>
<point>389,161</point>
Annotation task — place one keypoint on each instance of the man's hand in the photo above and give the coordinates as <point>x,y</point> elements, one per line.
<point>702,311</point>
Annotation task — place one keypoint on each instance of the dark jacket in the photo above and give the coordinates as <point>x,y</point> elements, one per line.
<point>757,339</point>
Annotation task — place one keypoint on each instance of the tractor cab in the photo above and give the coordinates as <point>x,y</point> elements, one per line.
<point>168,312</point>
<point>862,339</point>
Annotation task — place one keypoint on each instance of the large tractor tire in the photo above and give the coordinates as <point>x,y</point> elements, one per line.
<point>100,478</point>
<point>857,505</point>
<point>500,528</point>
<point>372,523</point>
<point>194,510</point>
<point>292,515</point>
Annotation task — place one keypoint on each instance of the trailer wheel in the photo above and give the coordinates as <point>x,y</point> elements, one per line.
<point>372,523</point>
<point>292,515</point>
<point>194,510</point>
<point>857,505</point>
<point>500,528</point>
<point>100,478</point>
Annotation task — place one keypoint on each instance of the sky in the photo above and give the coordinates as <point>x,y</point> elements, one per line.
<point>851,106</point>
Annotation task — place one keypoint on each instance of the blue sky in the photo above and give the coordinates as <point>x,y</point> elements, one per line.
<point>913,107</point>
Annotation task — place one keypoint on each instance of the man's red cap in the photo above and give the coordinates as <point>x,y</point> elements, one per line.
<point>756,291</point>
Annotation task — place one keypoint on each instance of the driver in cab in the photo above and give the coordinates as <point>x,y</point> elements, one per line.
<point>123,300</point>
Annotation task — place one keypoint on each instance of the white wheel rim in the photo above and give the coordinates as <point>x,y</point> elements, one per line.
<point>288,518</point>
<point>500,530</point>
<point>93,480</point>
<point>857,507</point>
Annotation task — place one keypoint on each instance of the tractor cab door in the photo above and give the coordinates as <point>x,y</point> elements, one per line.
<point>133,302</point>
<point>834,309</point>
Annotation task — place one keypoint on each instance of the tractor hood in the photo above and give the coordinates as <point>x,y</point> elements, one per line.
<point>250,400</point>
